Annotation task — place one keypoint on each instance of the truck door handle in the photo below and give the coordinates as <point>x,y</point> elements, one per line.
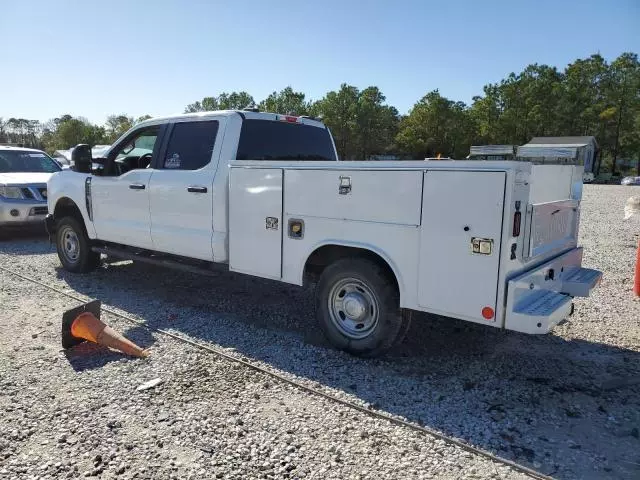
<point>136,186</point>
<point>196,189</point>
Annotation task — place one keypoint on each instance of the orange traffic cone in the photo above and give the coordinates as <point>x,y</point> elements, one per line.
<point>83,323</point>
<point>636,283</point>
<point>632,209</point>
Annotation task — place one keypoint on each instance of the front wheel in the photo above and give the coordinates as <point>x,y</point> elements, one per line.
<point>74,249</point>
<point>357,306</point>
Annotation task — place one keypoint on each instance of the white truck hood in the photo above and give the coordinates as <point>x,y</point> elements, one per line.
<point>24,178</point>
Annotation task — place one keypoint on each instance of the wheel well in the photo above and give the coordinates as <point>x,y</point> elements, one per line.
<point>65,207</point>
<point>327,254</point>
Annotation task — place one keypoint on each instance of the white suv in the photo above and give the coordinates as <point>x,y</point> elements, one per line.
<point>24,173</point>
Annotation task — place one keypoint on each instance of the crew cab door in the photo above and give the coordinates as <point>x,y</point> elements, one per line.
<point>120,197</point>
<point>181,189</point>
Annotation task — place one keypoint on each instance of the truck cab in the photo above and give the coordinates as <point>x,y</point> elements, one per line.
<point>491,242</point>
<point>163,187</point>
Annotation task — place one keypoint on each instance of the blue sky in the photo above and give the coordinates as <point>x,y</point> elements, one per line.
<point>94,58</point>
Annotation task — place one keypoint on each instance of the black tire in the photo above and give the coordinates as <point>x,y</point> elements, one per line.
<point>74,247</point>
<point>407,318</point>
<point>369,322</point>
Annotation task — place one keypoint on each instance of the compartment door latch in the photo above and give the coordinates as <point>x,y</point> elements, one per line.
<point>482,246</point>
<point>345,185</point>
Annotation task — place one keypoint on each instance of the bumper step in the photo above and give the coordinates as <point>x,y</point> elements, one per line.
<point>540,298</point>
<point>579,282</point>
<point>538,311</point>
<point>542,303</point>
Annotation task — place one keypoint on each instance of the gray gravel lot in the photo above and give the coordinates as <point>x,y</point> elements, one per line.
<point>565,404</point>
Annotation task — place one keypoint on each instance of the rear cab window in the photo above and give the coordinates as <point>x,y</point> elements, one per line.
<point>276,140</point>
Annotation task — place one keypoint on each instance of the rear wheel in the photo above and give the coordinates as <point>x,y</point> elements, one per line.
<point>73,246</point>
<point>357,306</point>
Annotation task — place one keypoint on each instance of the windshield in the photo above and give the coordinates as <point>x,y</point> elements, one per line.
<point>25,161</point>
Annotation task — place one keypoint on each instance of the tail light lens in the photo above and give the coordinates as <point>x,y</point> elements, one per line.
<point>517,218</point>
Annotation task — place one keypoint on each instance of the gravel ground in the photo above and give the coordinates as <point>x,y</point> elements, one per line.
<point>566,404</point>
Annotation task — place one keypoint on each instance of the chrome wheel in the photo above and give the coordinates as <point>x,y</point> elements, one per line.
<point>70,244</point>
<point>353,308</point>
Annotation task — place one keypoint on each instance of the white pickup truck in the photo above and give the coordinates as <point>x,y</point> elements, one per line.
<point>264,194</point>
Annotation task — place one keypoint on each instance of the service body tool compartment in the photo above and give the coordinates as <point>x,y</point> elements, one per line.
<point>383,196</point>
<point>462,215</point>
<point>255,221</point>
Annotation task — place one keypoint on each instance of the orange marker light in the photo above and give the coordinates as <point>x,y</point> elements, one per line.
<point>488,313</point>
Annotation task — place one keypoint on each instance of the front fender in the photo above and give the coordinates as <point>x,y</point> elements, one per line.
<point>70,185</point>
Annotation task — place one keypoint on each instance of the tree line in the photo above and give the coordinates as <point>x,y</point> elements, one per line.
<point>589,97</point>
<point>64,132</point>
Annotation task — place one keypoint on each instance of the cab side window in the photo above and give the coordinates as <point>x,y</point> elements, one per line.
<point>190,146</point>
<point>136,152</point>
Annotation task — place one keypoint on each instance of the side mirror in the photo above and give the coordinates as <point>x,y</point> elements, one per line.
<point>81,158</point>
<point>98,166</point>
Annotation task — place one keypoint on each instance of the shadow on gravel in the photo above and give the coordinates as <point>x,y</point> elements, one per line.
<point>31,240</point>
<point>88,356</point>
<point>543,401</point>
<point>140,335</point>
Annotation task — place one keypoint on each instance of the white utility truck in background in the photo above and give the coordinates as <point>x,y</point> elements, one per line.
<point>490,242</point>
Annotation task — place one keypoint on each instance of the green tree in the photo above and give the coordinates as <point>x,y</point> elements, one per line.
<point>520,107</point>
<point>437,126</point>
<point>376,124</point>
<point>3,131</point>
<point>485,113</point>
<point>142,118</point>
<point>541,87</point>
<point>623,100</point>
<point>590,97</point>
<point>582,98</point>
<point>339,110</point>
<point>116,125</point>
<point>66,132</point>
<point>207,104</point>
<point>235,100</point>
<point>224,101</point>
<point>286,101</point>
<point>361,122</point>
<point>22,131</point>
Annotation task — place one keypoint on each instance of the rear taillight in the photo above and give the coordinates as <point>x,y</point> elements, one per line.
<point>288,118</point>
<point>517,218</point>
